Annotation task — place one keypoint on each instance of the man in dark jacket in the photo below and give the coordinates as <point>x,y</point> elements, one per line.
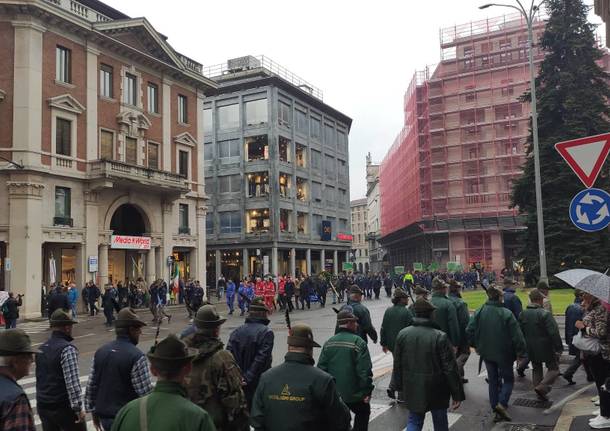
<point>543,341</point>
<point>58,391</point>
<point>119,372</point>
<point>511,300</point>
<point>345,356</point>
<point>574,312</point>
<point>252,345</point>
<point>395,318</point>
<point>289,290</point>
<point>16,357</point>
<point>387,284</point>
<point>428,375</point>
<point>305,291</point>
<point>58,300</point>
<point>495,333</point>
<point>365,326</point>
<point>445,314</point>
<point>297,395</point>
<point>93,295</point>
<point>10,310</point>
<point>322,290</point>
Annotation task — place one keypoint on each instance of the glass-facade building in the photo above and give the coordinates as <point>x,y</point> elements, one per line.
<point>276,174</point>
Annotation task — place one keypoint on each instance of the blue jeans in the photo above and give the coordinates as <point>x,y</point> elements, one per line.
<point>10,323</point>
<point>501,380</point>
<point>73,308</point>
<point>439,419</point>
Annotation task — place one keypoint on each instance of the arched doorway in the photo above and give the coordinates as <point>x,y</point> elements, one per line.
<point>126,264</point>
<point>128,220</point>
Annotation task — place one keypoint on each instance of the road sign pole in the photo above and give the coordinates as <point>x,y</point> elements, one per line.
<point>539,213</point>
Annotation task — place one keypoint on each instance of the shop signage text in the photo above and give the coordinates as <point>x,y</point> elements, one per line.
<point>345,237</point>
<point>126,242</point>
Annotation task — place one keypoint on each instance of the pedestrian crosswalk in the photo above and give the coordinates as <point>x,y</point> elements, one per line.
<point>34,327</point>
<point>29,386</point>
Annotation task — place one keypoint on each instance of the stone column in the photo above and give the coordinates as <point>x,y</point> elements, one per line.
<point>200,156</point>
<point>274,267</point>
<point>169,226</point>
<point>218,265</point>
<point>27,94</point>
<point>167,124</point>
<point>200,272</point>
<point>25,241</point>
<point>91,113</point>
<point>293,262</point>
<point>322,259</point>
<point>103,265</point>
<point>308,261</point>
<point>245,262</point>
<point>81,268</point>
<point>92,226</point>
<point>335,262</point>
<point>151,270</point>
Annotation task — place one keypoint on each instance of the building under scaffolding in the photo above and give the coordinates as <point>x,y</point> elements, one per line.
<point>446,181</point>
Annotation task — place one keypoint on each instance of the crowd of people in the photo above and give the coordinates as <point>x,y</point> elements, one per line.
<point>236,387</point>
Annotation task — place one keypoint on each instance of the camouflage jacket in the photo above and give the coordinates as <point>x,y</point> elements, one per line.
<point>215,383</point>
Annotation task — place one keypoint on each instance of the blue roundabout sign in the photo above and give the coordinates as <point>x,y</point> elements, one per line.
<point>590,210</point>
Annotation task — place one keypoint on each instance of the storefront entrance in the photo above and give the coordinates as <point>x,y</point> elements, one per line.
<point>125,266</point>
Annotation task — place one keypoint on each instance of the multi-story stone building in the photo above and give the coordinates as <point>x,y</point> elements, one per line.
<point>373,214</point>
<point>276,163</point>
<point>102,121</point>
<point>360,245</point>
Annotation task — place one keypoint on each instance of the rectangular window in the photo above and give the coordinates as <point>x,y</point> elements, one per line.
<point>316,191</point>
<point>285,224</point>
<point>329,166</point>
<point>182,109</point>
<point>258,184</point>
<point>153,98</point>
<point>301,189</point>
<point>341,141</point>
<point>302,223</point>
<point>106,81</point>
<point>207,121</point>
<point>228,117</point>
<point>284,149</point>
<point>63,64</point>
<point>228,148</point>
<point>330,196</point>
<point>302,125</point>
<point>183,163</point>
<point>210,186</point>
<point>209,223</point>
<point>131,151</point>
<point>229,183</point>
<point>284,181</point>
<point>63,137</point>
<point>230,222</point>
<point>301,156</point>
<point>208,151</point>
<point>283,114</point>
<point>329,135</point>
<point>130,92</point>
<point>256,112</point>
<point>106,145</point>
<point>183,215</point>
<point>258,221</point>
<point>316,224</point>
<point>316,159</point>
<point>257,148</point>
<point>316,128</point>
<point>62,202</point>
<point>153,156</point>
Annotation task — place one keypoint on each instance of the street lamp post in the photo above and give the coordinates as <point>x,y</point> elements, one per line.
<point>529,19</point>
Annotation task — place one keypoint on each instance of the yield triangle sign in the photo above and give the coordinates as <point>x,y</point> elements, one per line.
<point>586,156</point>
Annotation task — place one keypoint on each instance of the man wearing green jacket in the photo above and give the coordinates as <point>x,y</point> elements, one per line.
<point>445,314</point>
<point>463,316</point>
<point>345,356</point>
<point>167,406</point>
<point>425,369</point>
<point>296,395</point>
<point>495,333</point>
<point>543,341</point>
<point>395,318</point>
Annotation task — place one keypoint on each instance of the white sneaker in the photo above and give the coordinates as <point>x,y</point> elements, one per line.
<point>595,412</point>
<point>596,403</point>
<point>601,424</point>
<point>596,418</point>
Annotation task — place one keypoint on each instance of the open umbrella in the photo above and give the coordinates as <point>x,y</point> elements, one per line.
<point>592,282</point>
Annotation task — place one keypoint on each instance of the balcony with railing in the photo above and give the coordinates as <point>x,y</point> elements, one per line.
<point>120,173</point>
<point>80,10</point>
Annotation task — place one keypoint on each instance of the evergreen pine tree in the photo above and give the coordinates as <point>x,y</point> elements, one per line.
<point>572,95</point>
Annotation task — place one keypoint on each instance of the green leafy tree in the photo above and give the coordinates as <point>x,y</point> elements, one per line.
<point>572,95</point>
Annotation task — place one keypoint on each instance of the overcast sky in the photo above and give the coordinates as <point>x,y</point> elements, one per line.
<point>361,54</point>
